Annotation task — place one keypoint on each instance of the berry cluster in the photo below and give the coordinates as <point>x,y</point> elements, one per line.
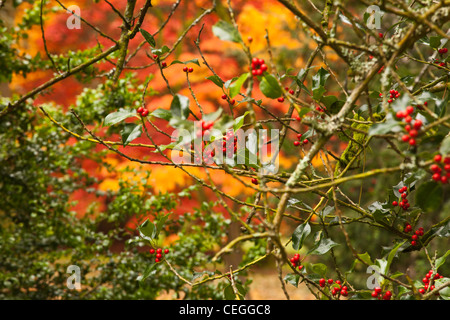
<point>418,233</point>
<point>188,70</point>
<point>427,282</point>
<point>443,50</point>
<point>142,111</point>
<point>393,94</point>
<point>225,97</point>
<point>413,131</point>
<point>296,260</point>
<point>436,169</point>
<point>404,204</point>
<point>289,90</point>
<point>159,253</point>
<point>258,67</point>
<point>298,143</point>
<point>336,290</point>
<point>377,293</point>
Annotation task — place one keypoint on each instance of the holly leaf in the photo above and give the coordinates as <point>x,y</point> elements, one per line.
<point>323,246</point>
<point>235,87</point>
<point>130,132</point>
<point>118,116</point>
<point>216,80</point>
<point>162,114</point>
<point>195,61</point>
<point>180,106</point>
<point>292,278</point>
<point>429,196</point>
<point>299,235</point>
<point>148,37</point>
<point>239,121</point>
<point>269,86</point>
<point>226,31</point>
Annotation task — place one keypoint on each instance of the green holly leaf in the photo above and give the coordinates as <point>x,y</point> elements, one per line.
<point>299,235</point>
<point>269,86</point>
<point>118,116</point>
<point>180,106</point>
<point>130,132</point>
<point>148,37</point>
<point>226,31</point>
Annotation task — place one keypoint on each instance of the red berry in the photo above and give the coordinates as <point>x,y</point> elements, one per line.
<point>298,118</point>
<point>377,290</point>
<point>263,67</point>
<point>405,138</point>
<point>413,133</point>
<point>412,142</point>
<point>408,119</point>
<point>305,141</point>
<point>232,101</point>
<point>413,243</point>
<point>409,109</point>
<point>155,56</point>
<point>249,39</point>
<point>255,181</point>
<point>166,251</point>
<point>436,177</point>
<point>425,280</point>
<point>344,293</point>
<point>299,135</point>
<point>280,99</point>
<point>139,110</point>
<point>447,160</point>
<point>390,101</point>
<point>417,124</point>
<point>444,179</point>
<point>144,113</point>
<point>437,158</point>
<point>408,127</point>
<point>414,237</point>
<point>159,250</point>
<point>422,290</point>
<point>163,64</point>
<point>447,167</point>
<point>254,72</point>
<point>191,70</point>
<point>330,281</point>
<point>157,260</point>
<point>185,69</point>
<point>158,255</point>
<point>291,91</point>
<point>380,35</point>
<point>374,294</point>
<point>322,282</point>
<point>296,143</point>
<point>224,96</point>
<point>435,168</point>
<point>152,251</point>
<point>394,203</point>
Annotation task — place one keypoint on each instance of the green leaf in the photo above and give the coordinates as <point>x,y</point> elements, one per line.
<point>148,37</point>
<point>148,270</point>
<point>393,253</point>
<point>239,121</point>
<point>366,258</point>
<point>212,116</point>
<point>130,132</point>
<point>147,228</point>
<point>435,42</point>
<point>441,105</point>
<point>226,31</point>
<point>390,125</point>
<point>323,246</point>
<point>319,79</point>
<point>118,116</point>
<point>161,51</point>
<point>299,235</point>
<point>162,114</point>
<point>216,80</point>
<point>229,293</point>
<point>292,278</point>
<point>440,261</point>
<point>195,61</point>
<point>445,292</point>
<point>235,87</point>
<point>445,146</point>
<point>429,196</point>
<point>318,93</point>
<point>269,86</point>
<point>160,225</point>
<point>319,268</point>
<point>180,106</point>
